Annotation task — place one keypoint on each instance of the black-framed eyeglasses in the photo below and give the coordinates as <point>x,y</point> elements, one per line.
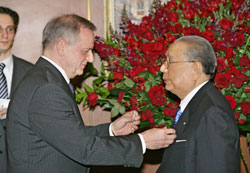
<point>167,62</point>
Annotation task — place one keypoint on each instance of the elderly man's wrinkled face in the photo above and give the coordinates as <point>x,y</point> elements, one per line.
<point>78,55</point>
<point>177,71</point>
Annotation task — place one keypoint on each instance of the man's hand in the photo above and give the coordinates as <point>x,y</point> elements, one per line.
<point>157,138</point>
<point>2,112</point>
<point>126,124</point>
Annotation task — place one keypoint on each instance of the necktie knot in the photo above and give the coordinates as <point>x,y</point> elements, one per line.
<point>177,117</point>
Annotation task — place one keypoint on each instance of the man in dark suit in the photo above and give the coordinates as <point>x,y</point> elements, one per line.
<point>45,131</point>
<point>207,135</point>
<point>14,70</point>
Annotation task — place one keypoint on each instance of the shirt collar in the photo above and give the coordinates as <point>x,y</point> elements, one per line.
<point>8,63</point>
<point>59,68</point>
<point>187,99</point>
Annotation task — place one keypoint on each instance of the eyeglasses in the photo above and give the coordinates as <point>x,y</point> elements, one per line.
<point>9,30</point>
<point>167,62</point>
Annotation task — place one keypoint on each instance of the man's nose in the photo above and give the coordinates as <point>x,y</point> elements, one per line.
<point>90,57</point>
<point>163,68</point>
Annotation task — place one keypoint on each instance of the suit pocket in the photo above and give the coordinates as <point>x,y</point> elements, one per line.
<point>179,157</point>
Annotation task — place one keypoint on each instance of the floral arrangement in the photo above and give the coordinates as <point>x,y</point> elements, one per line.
<point>130,77</point>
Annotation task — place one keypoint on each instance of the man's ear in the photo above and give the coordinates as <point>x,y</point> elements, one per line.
<point>197,70</point>
<point>60,46</point>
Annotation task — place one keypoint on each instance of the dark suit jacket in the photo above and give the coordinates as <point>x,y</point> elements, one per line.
<point>212,139</point>
<point>46,134</point>
<point>20,68</point>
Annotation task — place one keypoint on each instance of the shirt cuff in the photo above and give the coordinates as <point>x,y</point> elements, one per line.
<point>141,138</point>
<point>143,143</point>
<point>110,130</point>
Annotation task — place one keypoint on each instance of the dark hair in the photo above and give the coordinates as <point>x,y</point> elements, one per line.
<point>65,26</point>
<point>199,49</point>
<point>12,14</point>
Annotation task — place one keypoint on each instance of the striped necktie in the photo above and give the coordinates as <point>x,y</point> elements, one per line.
<point>3,83</point>
<point>177,117</point>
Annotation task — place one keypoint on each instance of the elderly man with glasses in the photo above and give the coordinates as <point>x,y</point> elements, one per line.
<point>207,135</point>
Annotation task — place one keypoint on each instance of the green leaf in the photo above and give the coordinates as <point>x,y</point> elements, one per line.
<point>88,89</point>
<point>104,92</point>
<point>98,81</point>
<point>81,96</point>
<point>129,83</point>
<point>115,110</point>
<point>89,70</point>
<point>122,110</point>
<point>102,69</point>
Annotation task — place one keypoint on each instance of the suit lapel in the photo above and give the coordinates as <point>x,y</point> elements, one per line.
<point>15,75</point>
<point>53,72</point>
<point>190,109</point>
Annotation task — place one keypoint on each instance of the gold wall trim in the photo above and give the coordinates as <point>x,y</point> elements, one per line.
<point>89,12</point>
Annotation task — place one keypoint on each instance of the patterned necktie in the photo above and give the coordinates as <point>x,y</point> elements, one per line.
<point>3,83</point>
<point>177,117</point>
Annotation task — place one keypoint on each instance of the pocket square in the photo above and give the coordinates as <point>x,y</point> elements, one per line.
<point>181,140</point>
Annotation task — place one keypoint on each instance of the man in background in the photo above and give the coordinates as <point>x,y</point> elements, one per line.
<point>12,69</point>
<point>207,135</point>
<point>45,131</point>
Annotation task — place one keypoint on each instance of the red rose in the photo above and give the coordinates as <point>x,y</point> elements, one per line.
<point>191,31</point>
<point>156,95</point>
<point>247,90</point>
<point>149,36</point>
<point>245,107</point>
<point>241,121</point>
<point>188,13</point>
<point>244,61</point>
<point>239,39</point>
<point>174,17</point>
<point>233,73</point>
<point>229,53</point>
<point>177,29</point>
<point>118,76</point>
<point>148,115</point>
<point>133,101</point>
<point>168,111</point>
<point>92,98</point>
<point>226,24</point>
<point>120,97</point>
<point>237,115</point>
<point>220,64</point>
<point>231,100</point>
<point>171,38</point>
<point>219,45</point>
<point>210,36</point>
<point>126,104</point>
<point>222,80</point>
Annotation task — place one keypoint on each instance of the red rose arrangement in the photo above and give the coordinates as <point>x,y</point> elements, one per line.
<point>130,77</point>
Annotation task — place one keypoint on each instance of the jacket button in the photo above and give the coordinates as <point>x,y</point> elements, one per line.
<point>1,151</point>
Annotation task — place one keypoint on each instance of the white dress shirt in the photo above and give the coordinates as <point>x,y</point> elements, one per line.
<point>187,99</point>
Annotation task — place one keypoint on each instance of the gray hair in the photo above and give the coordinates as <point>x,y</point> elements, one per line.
<point>199,49</point>
<point>65,26</point>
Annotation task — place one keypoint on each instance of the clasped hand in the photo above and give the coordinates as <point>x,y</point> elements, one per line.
<point>126,124</point>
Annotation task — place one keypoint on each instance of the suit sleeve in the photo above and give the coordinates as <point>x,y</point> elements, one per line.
<point>217,142</point>
<point>54,118</point>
